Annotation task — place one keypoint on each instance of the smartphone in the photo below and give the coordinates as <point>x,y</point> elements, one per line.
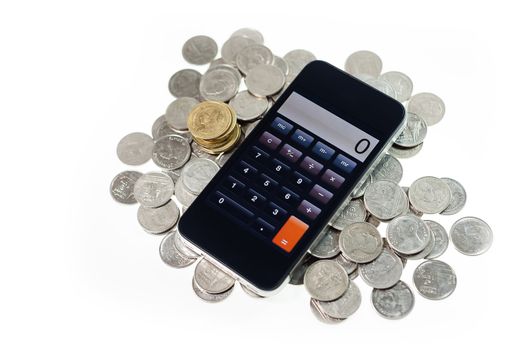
<point>267,205</point>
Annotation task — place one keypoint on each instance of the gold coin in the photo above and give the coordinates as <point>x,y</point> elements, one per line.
<point>209,120</point>
<point>231,143</point>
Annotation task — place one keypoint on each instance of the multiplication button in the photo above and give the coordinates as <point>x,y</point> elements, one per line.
<point>332,179</point>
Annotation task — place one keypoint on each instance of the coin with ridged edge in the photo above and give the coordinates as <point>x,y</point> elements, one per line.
<point>395,302</point>
<point>326,280</point>
<point>360,242</point>
<point>122,185</point>
<point>471,236</point>
<point>434,279</point>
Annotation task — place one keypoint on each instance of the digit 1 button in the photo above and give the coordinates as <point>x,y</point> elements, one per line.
<point>234,185</point>
<point>344,164</point>
<point>332,179</point>
<point>290,233</point>
<point>270,141</point>
<point>281,126</point>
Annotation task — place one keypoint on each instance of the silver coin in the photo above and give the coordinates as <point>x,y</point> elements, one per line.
<point>383,272</point>
<point>153,189</point>
<point>427,106</point>
<point>182,247</point>
<point>281,64</point>
<point>177,112</point>
<point>185,83</point>
<point>458,197</point>
<point>364,63</point>
<point>210,297</point>
<point>408,234</point>
<point>471,236</point>
<point>382,86</point>
<point>344,306</point>
<point>414,132</point>
<point>199,152</point>
<point>298,272</point>
<point>235,72</point>
<point>401,83</point>
<point>359,189</point>
<point>171,152</point>
<point>389,168</point>
<point>429,195</point>
<point>402,152</point>
<point>158,220</point>
<point>320,315</point>
<point>233,46</point>
<point>296,61</point>
<point>434,279</point>
<point>170,255</point>
<point>393,303</point>
<point>121,187</point>
<point>198,173</point>
<point>253,55</point>
<point>385,199</point>
<point>327,247</point>
<point>212,279</point>
<point>174,174</point>
<point>161,128</point>
<point>360,242</point>
<point>222,158</point>
<point>441,239</point>
<point>200,49</point>
<point>219,84</point>
<point>326,280</point>
<point>217,62</point>
<point>278,94</point>
<point>354,211</point>
<point>423,253</point>
<point>373,221</point>
<point>135,148</point>
<point>249,33</point>
<point>247,106</point>
<point>264,80</point>
<point>250,292</point>
<point>348,265</point>
<point>182,195</point>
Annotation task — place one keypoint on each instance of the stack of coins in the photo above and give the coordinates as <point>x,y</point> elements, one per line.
<point>213,125</point>
<point>373,235</point>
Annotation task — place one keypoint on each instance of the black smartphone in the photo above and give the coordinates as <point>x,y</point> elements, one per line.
<point>267,205</point>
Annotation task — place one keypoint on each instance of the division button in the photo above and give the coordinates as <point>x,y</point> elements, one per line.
<point>308,209</point>
<point>311,166</point>
<point>290,234</point>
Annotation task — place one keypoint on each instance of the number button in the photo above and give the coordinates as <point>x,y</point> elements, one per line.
<point>270,141</point>
<point>344,164</point>
<point>258,155</point>
<point>332,179</point>
<point>234,185</point>
<point>301,138</point>
<point>281,126</point>
<point>311,166</point>
<point>276,211</point>
<point>246,169</point>
<point>288,197</point>
<point>266,182</point>
<point>300,181</point>
<point>279,168</point>
<point>255,198</point>
<point>290,153</point>
<point>231,207</point>
<point>323,151</point>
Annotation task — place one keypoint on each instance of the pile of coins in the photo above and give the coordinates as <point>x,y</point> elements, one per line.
<point>210,118</point>
<point>214,126</point>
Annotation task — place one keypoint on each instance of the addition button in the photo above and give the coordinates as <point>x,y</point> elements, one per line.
<point>308,209</point>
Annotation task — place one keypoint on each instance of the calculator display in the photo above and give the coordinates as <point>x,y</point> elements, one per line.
<point>275,194</point>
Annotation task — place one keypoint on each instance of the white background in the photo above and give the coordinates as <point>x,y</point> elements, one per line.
<point>76,270</point>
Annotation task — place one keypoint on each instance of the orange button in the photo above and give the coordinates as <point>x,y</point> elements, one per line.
<point>290,233</point>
